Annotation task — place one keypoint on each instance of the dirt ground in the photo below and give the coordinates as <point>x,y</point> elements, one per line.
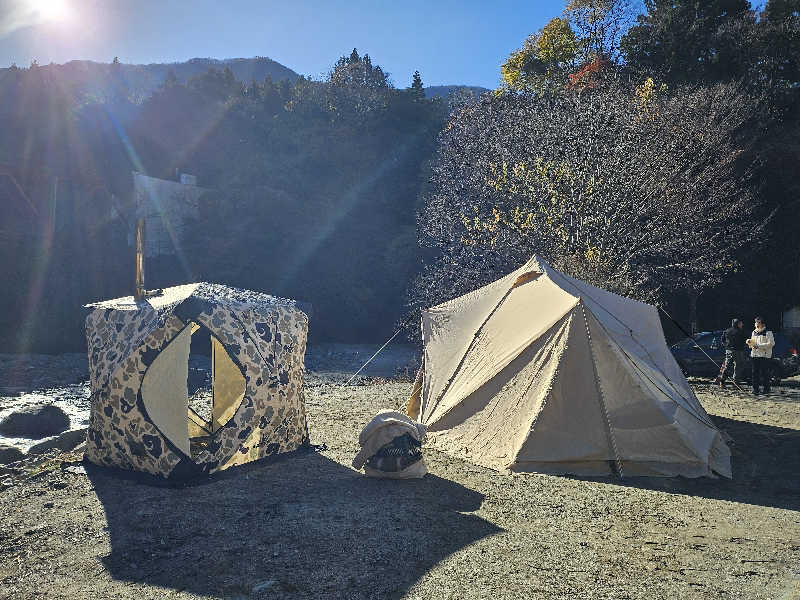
<point>308,526</point>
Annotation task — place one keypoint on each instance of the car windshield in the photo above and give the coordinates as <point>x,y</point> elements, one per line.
<point>704,339</point>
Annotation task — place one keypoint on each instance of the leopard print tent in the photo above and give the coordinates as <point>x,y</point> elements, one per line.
<point>138,359</point>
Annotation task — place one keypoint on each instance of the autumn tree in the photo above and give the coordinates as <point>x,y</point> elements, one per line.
<point>544,59</point>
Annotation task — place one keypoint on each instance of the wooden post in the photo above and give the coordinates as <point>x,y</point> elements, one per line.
<point>139,293</point>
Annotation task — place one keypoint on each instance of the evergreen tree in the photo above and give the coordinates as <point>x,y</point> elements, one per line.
<point>417,89</point>
<point>684,41</point>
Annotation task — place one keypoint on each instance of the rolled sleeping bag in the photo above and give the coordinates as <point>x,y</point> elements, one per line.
<point>391,447</point>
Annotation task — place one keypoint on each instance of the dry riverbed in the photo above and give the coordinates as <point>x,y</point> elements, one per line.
<point>308,526</point>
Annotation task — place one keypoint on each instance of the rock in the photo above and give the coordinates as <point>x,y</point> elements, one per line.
<point>263,586</point>
<point>9,454</point>
<point>65,442</point>
<point>35,422</point>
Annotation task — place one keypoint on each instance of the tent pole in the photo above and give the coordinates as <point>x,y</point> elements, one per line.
<point>139,293</point>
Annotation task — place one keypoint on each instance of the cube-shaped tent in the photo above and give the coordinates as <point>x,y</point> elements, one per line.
<point>138,360</point>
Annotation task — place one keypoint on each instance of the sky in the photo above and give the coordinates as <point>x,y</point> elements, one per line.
<point>448,41</point>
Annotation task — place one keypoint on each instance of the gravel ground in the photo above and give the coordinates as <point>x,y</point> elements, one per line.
<point>308,526</point>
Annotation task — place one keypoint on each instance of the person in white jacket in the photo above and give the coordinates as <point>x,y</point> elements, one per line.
<point>761,342</point>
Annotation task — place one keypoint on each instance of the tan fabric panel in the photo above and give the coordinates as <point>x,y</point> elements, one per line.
<point>570,426</point>
<point>527,313</point>
<point>165,393</point>
<point>647,427</point>
<point>492,423</point>
<point>636,328</point>
<point>414,401</point>
<point>447,331</point>
<point>195,430</point>
<point>228,385</point>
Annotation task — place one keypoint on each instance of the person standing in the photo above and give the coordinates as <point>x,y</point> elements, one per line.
<point>761,342</point>
<point>733,340</point>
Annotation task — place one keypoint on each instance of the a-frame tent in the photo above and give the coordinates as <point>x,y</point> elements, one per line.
<point>539,371</point>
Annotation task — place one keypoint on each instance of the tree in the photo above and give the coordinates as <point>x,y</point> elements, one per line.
<point>777,61</point>
<point>170,80</point>
<point>417,89</point>
<point>781,10</point>
<point>683,41</point>
<point>600,25</point>
<point>638,193</point>
<point>357,71</point>
<point>357,87</point>
<point>544,59</point>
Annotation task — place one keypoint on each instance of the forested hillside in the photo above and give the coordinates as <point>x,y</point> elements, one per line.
<point>648,148</point>
<point>314,187</point>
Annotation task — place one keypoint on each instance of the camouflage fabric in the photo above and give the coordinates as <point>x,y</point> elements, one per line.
<point>263,335</point>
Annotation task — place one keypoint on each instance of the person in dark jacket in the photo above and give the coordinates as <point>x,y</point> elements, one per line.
<point>733,340</point>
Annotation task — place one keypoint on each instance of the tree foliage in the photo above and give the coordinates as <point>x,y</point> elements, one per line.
<point>587,35</point>
<point>600,25</point>
<point>417,89</point>
<point>314,186</point>
<point>545,57</point>
<point>639,193</point>
<point>683,41</point>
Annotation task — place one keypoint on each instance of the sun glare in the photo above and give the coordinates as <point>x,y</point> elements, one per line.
<point>51,10</point>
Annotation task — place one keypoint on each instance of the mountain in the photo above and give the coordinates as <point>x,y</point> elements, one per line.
<point>443,91</point>
<point>85,79</point>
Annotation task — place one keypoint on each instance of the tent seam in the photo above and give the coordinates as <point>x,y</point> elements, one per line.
<point>601,395</point>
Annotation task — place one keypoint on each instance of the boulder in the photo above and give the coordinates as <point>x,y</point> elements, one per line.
<point>64,442</point>
<point>9,454</point>
<point>35,422</point>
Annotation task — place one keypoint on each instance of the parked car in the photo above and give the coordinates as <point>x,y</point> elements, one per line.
<point>692,361</point>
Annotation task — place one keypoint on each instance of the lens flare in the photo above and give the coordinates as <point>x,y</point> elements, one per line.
<point>51,10</point>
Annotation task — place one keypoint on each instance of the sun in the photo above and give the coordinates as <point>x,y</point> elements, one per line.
<point>51,10</point>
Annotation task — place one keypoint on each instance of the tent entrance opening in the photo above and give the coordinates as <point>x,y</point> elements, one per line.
<point>215,387</point>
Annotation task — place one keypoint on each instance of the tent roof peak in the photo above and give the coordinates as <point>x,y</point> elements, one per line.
<point>215,293</point>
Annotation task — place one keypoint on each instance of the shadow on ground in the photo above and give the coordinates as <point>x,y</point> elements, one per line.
<point>303,526</point>
<point>765,462</point>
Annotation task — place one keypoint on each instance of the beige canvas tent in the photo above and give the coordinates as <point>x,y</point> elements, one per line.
<point>140,416</point>
<point>542,372</point>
